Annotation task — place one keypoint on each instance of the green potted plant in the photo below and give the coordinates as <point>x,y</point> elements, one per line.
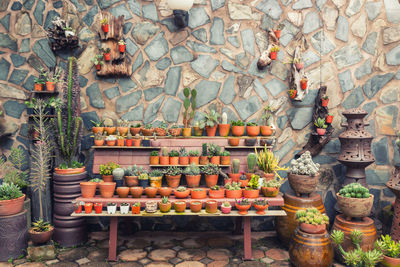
<point>278,30</point>
<point>214,152</point>
<point>188,102</point>
<point>234,175</point>
<point>179,206</point>
<point>260,205</point>
<point>154,157</point>
<point>123,127</point>
<point>292,93</point>
<point>273,53</point>
<point>303,174</point>
<point>173,176</point>
<point>312,221</point>
<point>181,192</point>
<point>216,191</point>
<point>148,130</point>
<point>355,201</point>
<point>233,190</point>
<point>211,172</point>
<point>124,208</point>
<point>121,46</point>
<point>237,128</point>
<point>131,175</point>
<point>41,232</point>
<point>211,206</point>
<point>129,139</point>
<point>252,129</point>
<point>52,79</point>
<point>143,179</point>
<point>266,130</point>
<point>242,205</point>
<point>324,100</point>
<point>198,128</point>
<point>164,204</point>
<point>195,206</point>
<point>390,250</point>
<point>135,128</point>
<point>11,199</point>
<point>173,157</point>
<point>269,164</point>
<point>175,130</point>
<point>111,140</point>
<point>303,83</point>
<point>226,207</point>
<point>136,208</point>
<point>321,126</point>
<point>270,188</point>
<point>106,171</point>
<point>39,83</point>
<point>252,189</point>
<point>194,157</point>
<point>109,127</point>
<point>225,157</point>
<point>104,25</point>
<point>251,164</point>
<point>192,174</point>
<point>155,178</point>
<point>329,118</point>
<point>183,157</point>
<point>98,127</point>
<point>111,208</point>
<point>164,157</point>
<point>98,61</point>
<point>106,53</point>
<point>204,154</point>
<point>224,126</point>
<point>210,122</point>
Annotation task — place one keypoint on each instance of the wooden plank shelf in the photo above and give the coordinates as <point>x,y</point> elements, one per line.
<point>45,92</point>
<point>127,147</point>
<point>213,137</point>
<point>166,166</point>
<point>246,147</point>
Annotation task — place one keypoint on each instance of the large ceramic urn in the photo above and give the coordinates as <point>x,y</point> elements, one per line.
<point>355,142</point>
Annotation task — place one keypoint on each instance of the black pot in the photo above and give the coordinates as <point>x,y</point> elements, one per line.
<point>119,183</point>
<point>145,142</point>
<point>250,142</point>
<point>144,183</point>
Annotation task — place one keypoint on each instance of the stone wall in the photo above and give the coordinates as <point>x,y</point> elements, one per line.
<point>353,48</point>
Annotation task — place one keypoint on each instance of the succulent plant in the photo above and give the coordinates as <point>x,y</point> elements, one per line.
<point>156,173</point>
<point>173,170</point>
<point>272,183</point>
<point>233,186</point>
<point>164,200</point>
<point>181,189</point>
<point>164,152</point>
<point>311,216</point>
<point>354,190</point>
<point>182,152</point>
<point>224,118</point>
<point>214,150</point>
<point>173,153</point>
<point>304,165</point>
<point>194,153</point>
<point>192,169</point>
<point>133,170</point>
<point>253,183</point>
<point>210,169</point>
<point>251,162</point>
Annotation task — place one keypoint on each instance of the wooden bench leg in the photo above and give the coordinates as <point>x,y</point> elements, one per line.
<point>112,245</point>
<point>248,255</point>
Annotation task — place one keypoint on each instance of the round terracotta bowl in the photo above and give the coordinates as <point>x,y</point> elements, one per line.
<point>312,229</point>
<point>355,207</point>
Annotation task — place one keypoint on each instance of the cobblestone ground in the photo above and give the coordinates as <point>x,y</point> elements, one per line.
<point>162,249</point>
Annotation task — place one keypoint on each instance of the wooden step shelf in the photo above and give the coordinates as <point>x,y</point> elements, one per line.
<point>127,147</point>
<point>246,147</point>
<point>181,166</point>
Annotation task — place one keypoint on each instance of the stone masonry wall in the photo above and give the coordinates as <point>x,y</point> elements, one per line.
<point>357,42</point>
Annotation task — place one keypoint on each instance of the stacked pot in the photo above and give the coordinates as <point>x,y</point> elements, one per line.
<point>69,231</point>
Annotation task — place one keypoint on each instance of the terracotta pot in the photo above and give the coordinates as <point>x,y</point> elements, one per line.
<point>195,206</point>
<point>96,130</point>
<point>233,141</point>
<point>164,160</point>
<point>123,192</point>
<point>277,33</point>
<point>137,142</point>
<point>111,142</point>
<point>269,176</point>
<point>217,193</point>
<point>122,48</point>
<point>204,160</point>
<point>154,160</point>
<point>211,206</point>
<point>303,84</point>
<point>99,142</point>
<point>69,171</point>
<point>88,208</point>
<point>110,130</point>
<point>226,210</point>
<point>120,142</point>
<point>183,194</point>
<point>270,191</point>
<point>243,183</point>
<point>173,160</point>
<point>123,130</point>
<point>187,132</point>
<point>321,131</point>
<point>194,160</point>
<point>135,209</point>
<point>211,131</point>
<point>184,160</point>
<point>11,206</point>
<point>211,179</point>
<point>260,208</point>
<point>107,189</point>
<point>135,130</point>
<point>105,27</point>
<point>193,180</point>
<point>215,160</point>
<point>324,102</point>
<point>164,207</point>
<point>312,229</point>
<point>131,181</point>
<point>41,237</point>
<point>50,86</point>
<point>98,207</point>
<point>299,66</point>
<point>136,191</point>
<point>233,193</point>
<point>355,207</point>
<point>179,206</point>
<point>88,189</point>
<point>390,262</point>
<point>266,130</point>
<point>238,130</point>
<point>253,130</point>
<point>147,132</point>
<point>197,131</point>
<point>292,93</point>
<point>38,87</point>
<point>248,175</point>
<point>273,55</point>
<point>225,160</point>
<point>175,131</point>
<point>329,119</point>
<point>223,129</point>
<point>165,191</point>
<point>234,176</point>
<point>303,184</point>
<point>227,181</point>
<point>107,178</point>
<point>155,181</point>
<point>98,67</point>
<point>201,194</point>
<point>173,180</point>
<point>242,208</point>
<point>107,56</point>
<point>151,192</point>
<point>253,193</point>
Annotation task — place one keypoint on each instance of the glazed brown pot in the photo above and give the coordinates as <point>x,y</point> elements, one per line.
<point>215,160</point>
<point>175,131</point>
<point>187,132</point>
<point>204,160</point>
<point>164,207</point>
<point>164,160</point>
<point>266,130</point>
<point>179,206</point>
<point>225,160</point>
<point>217,193</point>
<point>131,181</point>
<point>253,193</point>
<point>195,206</point>
<point>107,189</point>
<point>135,130</point>
<point>234,176</point>
<point>147,132</point>
<point>223,129</point>
<point>41,237</point>
<point>154,160</point>
<point>11,206</point>
<point>233,193</point>
<point>151,192</point>
<point>165,191</point>
<point>107,178</point>
<point>136,191</point>
<point>194,160</point>
<point>253,130</point>
<point>123,191</point>
<point>355,207</point>
<point>390,262</point>
<point>238,130</point>
<point>198,194</point>
<point>312,229</point>
<point>110,130</point>
<point>211,131</point>
<point>183,194</point>
<point>233,141</point>
<point>88,189</point>
<point>173,180</point>
<point>173,160</point>
<point>270,191</point>
<point>184,160</point>
<point>211,179</point>
<point>211,206</point>
<point>303,184</point>
<point>193,180</point>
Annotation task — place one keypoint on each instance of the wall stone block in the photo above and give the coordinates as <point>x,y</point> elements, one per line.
<point>299,117</point>
<point>206,92</point>
<point>135,114</point>
<point>386,119</point>
<point>204,65</point>
<point>173,80</point>
<point>87,117</point>
<point>380,151</point>
<point>376,83</point>
<point>271,8</point>
<point>14,108</point>
<point>198,17</point>
<point>171,110</point>
<point>157,48</point>
<point>181,54</point>
<point>95,97</point>
<point>246,108</point>
<point>125,102</point>
<point>217,32</point>
<point>150,12</point>
<point>152,109</point>
<point>347,56</point>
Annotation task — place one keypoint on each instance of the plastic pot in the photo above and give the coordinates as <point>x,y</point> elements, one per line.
<point>273,55</point>
<point>98,207</point>
<point>124,209</point>
<point>88,208</point>
<point>143,183</point>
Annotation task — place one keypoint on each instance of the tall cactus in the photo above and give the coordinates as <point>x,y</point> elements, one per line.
<point>235,165</point>
<point>69,122</point>
<point>189,102</point>
<point>251,162</point>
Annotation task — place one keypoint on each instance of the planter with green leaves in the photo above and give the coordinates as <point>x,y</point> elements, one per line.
<point>41,232</point>
<point>135,128</point>
<point>131,175</point>
<point>164,204</point>
<point>204,154</point>
<point>179,206</point>
<point>251,165</point>
<point>252,129</point>
<point>154,158</point>
<point>183,156</point>
<point>52,80</point>
<point>198,193</point>
<point>260,205</point>
<point>242,205</point>
<point>237,128</point>
<point>252,189</point>
<point>143,179</point>
<point>312,221</point>
<point>173,157</point>
<point>164,157</point>
<point>233,190</point>
<point>147,130</point>
<point>390,250</point>
<point>106,53</point>
<point>210,122</point>
<point>11,199</point>
<point>173,176</point>
<point>211,172</point>
<point>269,164</point>
<point>194,157</point>
<point>121,46</point>
<point>181,192</point>
<point>321,126</point>
<point>266,130</point>
<point>225,157</point>
<point>155,177</point>
<point>224,126</point>
<point>303,174</point>
<point>355,201</point>
<point>226,207</point>
<point>106,171</point>
<point>216,191</point>
<point>214,153</point>
<point>188,103</point>
<point>98,61</point>
<point>175,130</point>
<point>270,188</point>
<point>193,175</point>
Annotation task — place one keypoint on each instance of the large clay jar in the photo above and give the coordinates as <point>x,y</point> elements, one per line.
<point>107,189</point>
<point>314,250</point>
<point>303,184</point>
<point>285,225</point>
<point>355,207</point>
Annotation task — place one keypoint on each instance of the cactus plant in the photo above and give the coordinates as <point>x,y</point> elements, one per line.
<point>204,149</point>
<point>235,165</point>
<point>311,216</point>
<point>304,165</point>
<point>251,162</point>
<point>189,102</point>
<point>164,152</point>
<point>224,118</point>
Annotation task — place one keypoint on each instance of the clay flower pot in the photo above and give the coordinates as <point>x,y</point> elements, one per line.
<point>41,237</point>
<point>266,130</point>
<point>98,207</point>
<point>227,181</point>
<point>194,160</point>
<point>107,189</point>
<point>217,193</point>
<point>107,178</point>
<point>183,194</point>
<point>38,87</point>
<point>195,206</point>
<point>312,229</point>
<point>211,131</point>
<point>164,207</point>
<point>110,130</point>
<point>50,86</point>
<point>96,130</point>
<point>165,191</point>
<point>136,191</point>
<point>179,206</point>
<point>137,142</point>
<point>238,130</point>
<point>197,131</point>
<point>225,160</point>
<point>111,142</point>
<point>260,208</point>
<point>321,131</point>
<point>173,180</point>
<point>120,142</point>
<point>248,175</point>
<point>123,130</point>
<point>223,129</point>
<point>273,55</point>
<point>242,208</point>
<point>11,206</point>
<point>164,160</point>
<point>151,192</point>
<point>226,210</point>
<point>270,191</point>
<point>233,141</point>
<point>277,33</point>
<point>303,184</point>
<point>88,208</point>
<point>234,176</point>
<point>187,132</point>
<point>243,183</point>
<point>173,160</point>
<point>253,130</point>
<point>268,176</point>
<point>175,131</point>
<point>233,193</point>
<point>211,179</point>
<point>390,262</point>
<point>155,181</point>
<point>329,119</point>
<point>252,193</point>
<point>99,142</point>
<point>131,181</point>
<point>215,160</point>
<point>88,189</point>
<point>198,194</point>
<point>355,207</point>
<point>147,132</point>
<point>69,170</point>
<point>135,130</point>
<point>324,102</point>
<point>204,160</point>
<point>184,160</point>
<point>123,192</point>
<point>211,206</point>
<point>193,180</point>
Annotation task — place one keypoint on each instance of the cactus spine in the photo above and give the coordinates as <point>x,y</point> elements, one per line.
<point>251,162</point>
<point>189,102</point>
<point>235,165</point>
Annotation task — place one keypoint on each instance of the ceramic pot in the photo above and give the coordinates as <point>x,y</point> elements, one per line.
<point>312,229</point>
<point>69,171</point>
<point>215,160</point>
<point>98,207</point>
<point>184,160</point>
<point>88,208</point>
<point>225,160</point>
<point>226,210</point>
<point>195,206</point>
<point>194,160</point>
<point>260,208</point>
<point>107,189</point>
<point>234,176</point>
<point>124,209</point>
<point>135,130</point>
<point>151,206</point>
<point>164,207</point>
<point>253,130</point>
<point>175,131</point>
<point>135,209</point>
<point>183,194</point>
<point>268,176</point>
<point>242,208</point>
<point>390,262</point>
<point>321,131</point>
<point>41,237</point>
<point>38,87</point>
<point>179,206</point>
<point>251,193</point>
<point>173,180</point>
<point>173,160</point>
<point>211,131</point>
<point>211,179</point>
<point>223,129</point>
<point>147,132</point>
<point>270,191</point>
<point>248,175</point>
<point>233,141</point>
<point>193,180</point>
<point>123,130</point>
<point>111,142</point>
<point>110,130</point>
<point>217,193</point>
<point>303,184</point>
<point>151,192</point>
<point>99,142</point>
<point>88,189</point>
<point>165,191</point>
<point>164,160</point>
<point>136,192</point>
<point>238,130</point>
<point>211,206</point>
<point>355,207</point>
<point>107,178</point>
<point>233,194</point>
<point>160,131</point>
<point>144,183</point>
<point>154,160</point>
<point>204,160</point>
<point>123,192</point>
<point>131,181</point>
<point>155,181</point>
<point>198,194</point>
<point>250,142</point>
<point>187,132</point>
<point>50,86</point>
<point>96,130</point>
<point>266,130</point>
<point>243,183</point>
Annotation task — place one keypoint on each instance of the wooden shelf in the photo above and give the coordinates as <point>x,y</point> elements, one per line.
<point>213,137</point>
<point>127,147</point>
<point>199,165</point>
<point>245,147</point>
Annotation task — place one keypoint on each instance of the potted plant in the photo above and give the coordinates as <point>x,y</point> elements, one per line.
<point>106,171</point>
<point>260,205</point>
<point>155,178</point>
<point>143,179</point>
<point>234,175</point>
<point>243,180</point>
<point>104,25</point>
<point>214,152</point>
<point>136,191</point>
<point>129,140</point>
<point>194,157</point>
<point>390,250</point>
<point>312,221</point>
<point>41,232</point>
<point>136,208</point>
<point>303,83</point>
<point>198,128</point>
<point>107,189</point>
<point>278,30</point>
<point>51,80</point>
<point>98,207</point>
<point>216,192</point>
<point>329,118</point>
<point>251,190</point>
<point>135,129</point>
<point>210,122</point>
<point>225,157</point>
<point>195,206</point>
<point>123,127</point>
<point>98,61</point>
<point>88,189</point>
<point>211,172</point>
<point>321,126</point>
<point>98,127</point>
<point>120,139</point>
<point>39,83</point>
<point>181,192</point>
<point>292,93</point>
<point>233,141</point>
<point>303,174</point>
<point>111,140</point>
<point>11,199</point>
<point>148,130</point>
<point>266,130</point>
<point>211,206</point>
<point>273,53</point>
<point>106,53</point>
<point>183,157</point>
<point>237,128</point>
<point>88,207</point>
<point>165,191</point>
<point>154,158</point>
<point>131,175</point>
<point>188,102</point>
<point>151,192</point>
<point>164,205</point>
<point>121,46</point>
<point>109,127</point>
<point>355,201</point>
<point>162,129</point>
<point>226,207</point>
<point>137,141</point>
<point>299,64</point>
<point>224,126</point>
<point>175,130</point>
<point>123,191</point>
<point>198,193</point>
<point>252,129</point>
<point>204,154</point>
<point>268,163</point>
<point>242,205</point>
<point>233,190</point>
<point>270,188</point>
<point>111,208</point>
<point>325,100</point>
<point>124,208</point>
<point>251,164</point>
<point>173,157</point>
<point>192,174</point>
<point>99,139</point>
<point>173,176</point>
<point>151,206</point>
<point>164,158</point>
<point>179,206</point>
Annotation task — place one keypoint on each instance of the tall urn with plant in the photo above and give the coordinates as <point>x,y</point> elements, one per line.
<point>189,103</point>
